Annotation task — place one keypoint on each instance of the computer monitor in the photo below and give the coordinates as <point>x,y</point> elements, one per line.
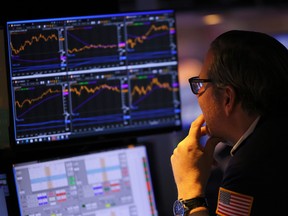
<point>104,77</point>
<point>113,182</point>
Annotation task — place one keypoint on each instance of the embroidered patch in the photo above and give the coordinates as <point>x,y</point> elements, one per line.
<point>232,203</point>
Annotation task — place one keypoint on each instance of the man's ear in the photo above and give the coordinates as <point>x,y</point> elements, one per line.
<point>229,99</point>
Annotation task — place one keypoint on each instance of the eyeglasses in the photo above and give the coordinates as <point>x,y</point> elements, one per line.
<point>197,84</point>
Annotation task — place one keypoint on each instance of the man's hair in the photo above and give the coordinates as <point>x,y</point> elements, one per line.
<point>255,65</point>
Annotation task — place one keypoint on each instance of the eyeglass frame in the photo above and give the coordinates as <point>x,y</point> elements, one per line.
<point>196,80</point>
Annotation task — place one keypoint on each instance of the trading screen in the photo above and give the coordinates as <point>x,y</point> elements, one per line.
<point>109,183</point>
<point>93,75</point>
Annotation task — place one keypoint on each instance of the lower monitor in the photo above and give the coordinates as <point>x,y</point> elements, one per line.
<point>116,182</point>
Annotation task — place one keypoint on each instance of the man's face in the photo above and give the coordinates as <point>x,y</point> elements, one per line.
<point>211,107</point>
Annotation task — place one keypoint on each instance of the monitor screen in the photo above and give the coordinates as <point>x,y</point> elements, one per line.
<point>104,76</point>
<point>108,183</point>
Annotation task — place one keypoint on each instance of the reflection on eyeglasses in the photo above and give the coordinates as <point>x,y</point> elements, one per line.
<point>197,84</point>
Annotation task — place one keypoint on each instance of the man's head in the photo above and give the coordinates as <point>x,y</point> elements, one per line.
<point>255,65</point>
<point>245,75</point>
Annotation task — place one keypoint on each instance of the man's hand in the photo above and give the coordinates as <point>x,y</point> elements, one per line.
<point>191,162</point>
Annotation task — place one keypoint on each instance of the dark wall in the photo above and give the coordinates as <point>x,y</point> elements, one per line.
<point>27,10</point>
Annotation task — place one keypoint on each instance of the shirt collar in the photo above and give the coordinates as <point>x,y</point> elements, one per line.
<point>245,135</point>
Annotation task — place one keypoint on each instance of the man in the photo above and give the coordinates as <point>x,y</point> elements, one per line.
<point>242,91</point>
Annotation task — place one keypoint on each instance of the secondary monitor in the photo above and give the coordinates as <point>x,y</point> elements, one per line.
<point>114,182</point>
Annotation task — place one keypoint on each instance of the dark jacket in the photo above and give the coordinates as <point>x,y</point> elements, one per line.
<point>259,167</point>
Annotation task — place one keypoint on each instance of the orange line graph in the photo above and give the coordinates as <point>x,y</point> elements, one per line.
<point>133,42</point>
<point>91,46</point>
<point>31,41</point>
<point>93,90</point>
<point>30,101</point>
<point>143,91</point>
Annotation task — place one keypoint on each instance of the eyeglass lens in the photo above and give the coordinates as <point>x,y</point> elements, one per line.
<point>196,86</point>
